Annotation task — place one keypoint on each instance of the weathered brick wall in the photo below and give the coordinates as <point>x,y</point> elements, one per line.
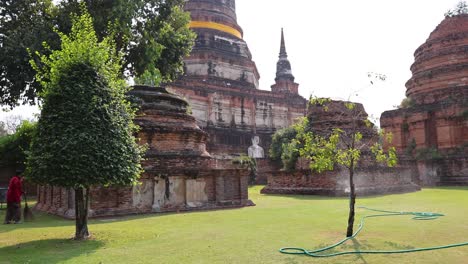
<point>223,188</point>
<point>232,115</point>
<point>441,124</point>
<point>293,182</point>
<point>451,170</point>
<point>368,181</point>
<point>265,168</point>
<point>106,201</point>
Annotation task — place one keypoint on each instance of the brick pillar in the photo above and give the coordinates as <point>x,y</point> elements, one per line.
<point>56,199</point>
<point>243,186</point>
<point>219,188</point>
<point>40,197</point>
<point>63,202</point>
<point>48,198</point>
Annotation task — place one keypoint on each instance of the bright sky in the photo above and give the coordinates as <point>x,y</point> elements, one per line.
<point>332,45</point>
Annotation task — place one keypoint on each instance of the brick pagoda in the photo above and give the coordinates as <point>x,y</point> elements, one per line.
<point>221,83</point>
<point>431,132</point>
<point>179,173</point>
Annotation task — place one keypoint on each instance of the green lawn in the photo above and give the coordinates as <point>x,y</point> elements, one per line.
<point>250,235</point>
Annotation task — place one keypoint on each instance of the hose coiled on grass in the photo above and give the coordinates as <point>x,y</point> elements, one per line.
<point>417,216</point>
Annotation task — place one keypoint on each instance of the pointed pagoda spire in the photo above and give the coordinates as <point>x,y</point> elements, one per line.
<point>284,81</point>
<point>283,53</point>
<point>283,67</point>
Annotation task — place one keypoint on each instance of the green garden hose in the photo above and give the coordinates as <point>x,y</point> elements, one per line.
<point>417,216</point>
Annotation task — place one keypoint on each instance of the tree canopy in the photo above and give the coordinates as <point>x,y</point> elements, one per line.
<point>85,131</point>
<point>153,36</point>
<point>24,24</point>
<point>283,148</point>
<point>85,134</point>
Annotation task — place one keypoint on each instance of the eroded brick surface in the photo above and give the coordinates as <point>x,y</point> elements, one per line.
<point>179,175</point>
<point>433,130</point>
<point>221,84</point>
<point>370,178</point>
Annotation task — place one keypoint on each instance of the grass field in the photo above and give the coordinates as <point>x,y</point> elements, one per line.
<point>250,235</point>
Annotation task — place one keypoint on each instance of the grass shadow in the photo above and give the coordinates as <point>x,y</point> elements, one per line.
<point>307,197</point>
<point>45,220</point>
<point>317,197</point>
<point>48,251</point>
<point>140,216</point>
<point>397,246</point>
<point>41,220</point>
<point>357,247</point>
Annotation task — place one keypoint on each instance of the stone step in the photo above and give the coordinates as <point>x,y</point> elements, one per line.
<point>453,184</point>
<point>454,181</point>
<point>454,178</point>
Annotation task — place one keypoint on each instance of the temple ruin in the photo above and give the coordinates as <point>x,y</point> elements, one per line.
<point>221,83</point>
<point>189,162</point>
<point>431,128</point>
<point>179,175</point>
<point>370,177</point>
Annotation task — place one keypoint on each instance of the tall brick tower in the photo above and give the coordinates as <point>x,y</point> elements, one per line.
<point>221,84</point>
<point>219,51</point>
<point>284,77</point>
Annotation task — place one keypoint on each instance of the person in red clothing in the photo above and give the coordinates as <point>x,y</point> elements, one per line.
<point>15,190</point>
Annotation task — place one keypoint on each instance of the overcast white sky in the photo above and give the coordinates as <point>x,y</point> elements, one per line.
<point>332,45</point>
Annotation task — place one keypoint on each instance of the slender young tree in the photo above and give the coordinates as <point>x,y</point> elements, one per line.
<point>85,131</point>
<point>341,146</point>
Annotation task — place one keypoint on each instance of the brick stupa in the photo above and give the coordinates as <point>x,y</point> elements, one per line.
<point>431,133</point>
<point>180,175</point>
<point>221,83</point>
<point>370,177</point>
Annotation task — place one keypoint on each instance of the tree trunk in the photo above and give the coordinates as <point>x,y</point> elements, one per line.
<point>352,202</point>
<point>81,211</point>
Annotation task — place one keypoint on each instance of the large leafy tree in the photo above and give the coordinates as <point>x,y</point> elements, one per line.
<point>340,147</point>
<point>153,35</point>
<point>24,24</point>
<point>85,131</point>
